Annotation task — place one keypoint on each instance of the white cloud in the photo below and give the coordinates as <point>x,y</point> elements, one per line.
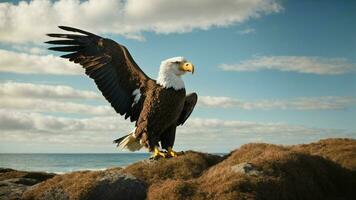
<point>301,64</point>
<point>302,103</point>
<point>247,31</point>
<point>222,102</point>
<point>217,135</point>
<point>101,125</point>
<point>23,121</point>
<point>45,130</point>
<point>24,63</point>
<point>51,98</point>
<point>244,127</point>
<point>65,99</point>
<point>30,49</point>
<point>14,120</point>
<point>29,21</point>
<point>214,135</point>
<point>30,90</point>
<point>53,106</point>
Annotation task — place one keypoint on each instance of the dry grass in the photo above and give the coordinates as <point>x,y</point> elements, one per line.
<point>342,151</point>
<point>76,185</point>
<point>321,170</point>
<point>187,166</point>
<point>287,173</point>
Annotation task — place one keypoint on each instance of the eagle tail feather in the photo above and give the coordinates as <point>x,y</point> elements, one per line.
<point>129,142</point>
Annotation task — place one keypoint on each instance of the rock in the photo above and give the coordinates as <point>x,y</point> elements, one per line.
<point>10,190</point>
<point>6,173</point>
<point>23,181</point>
<point>246,168</point>
<point>109,184</point>
<point>13,183</point>
<point>5,170</point>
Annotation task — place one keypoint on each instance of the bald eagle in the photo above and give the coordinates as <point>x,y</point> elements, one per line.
<point>156,106</point>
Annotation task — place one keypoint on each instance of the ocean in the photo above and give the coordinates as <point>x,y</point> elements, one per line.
<point>62,163</point>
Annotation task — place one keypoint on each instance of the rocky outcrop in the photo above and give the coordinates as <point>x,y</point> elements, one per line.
<point>190,165</point>
<point>13,183</point>
<point>265,171</point>
<point>321,170</point>
<point>89,185</point>
<point>246,168</point>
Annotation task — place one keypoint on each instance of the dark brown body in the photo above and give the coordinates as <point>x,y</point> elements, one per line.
<point>159,116</point>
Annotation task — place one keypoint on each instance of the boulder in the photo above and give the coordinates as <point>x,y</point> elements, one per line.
<point>246,168</point>
<point>11,191</point>
<point>89,185</point>
<point>13,183</point>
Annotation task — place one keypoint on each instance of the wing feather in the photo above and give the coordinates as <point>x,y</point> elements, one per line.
<point>189,104</point>
<point>108,63</point>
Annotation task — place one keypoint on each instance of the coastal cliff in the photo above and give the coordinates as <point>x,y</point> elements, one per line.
<point>321,170</point>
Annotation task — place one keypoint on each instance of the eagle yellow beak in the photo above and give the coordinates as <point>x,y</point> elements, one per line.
<point>186,67</point>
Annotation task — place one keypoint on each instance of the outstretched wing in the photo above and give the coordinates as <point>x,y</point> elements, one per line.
<point>189,104</point>
<point>110,65</point>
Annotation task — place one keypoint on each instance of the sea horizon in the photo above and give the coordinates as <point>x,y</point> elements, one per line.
<point>60,163</point>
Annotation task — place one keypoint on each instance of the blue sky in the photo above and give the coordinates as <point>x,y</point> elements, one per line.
<point>298,85</point>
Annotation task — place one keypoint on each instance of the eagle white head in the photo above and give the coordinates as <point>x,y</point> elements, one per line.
<point>171,70</point>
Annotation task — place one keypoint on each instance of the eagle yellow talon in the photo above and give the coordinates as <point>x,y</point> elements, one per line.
<point>157,153</point>
<point>171,152</point>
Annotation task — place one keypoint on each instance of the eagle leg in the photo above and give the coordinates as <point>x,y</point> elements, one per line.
<point>171,152</point>
<point>157,153</point>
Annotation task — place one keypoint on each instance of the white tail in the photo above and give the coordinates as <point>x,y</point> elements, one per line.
<point>129,142</point>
